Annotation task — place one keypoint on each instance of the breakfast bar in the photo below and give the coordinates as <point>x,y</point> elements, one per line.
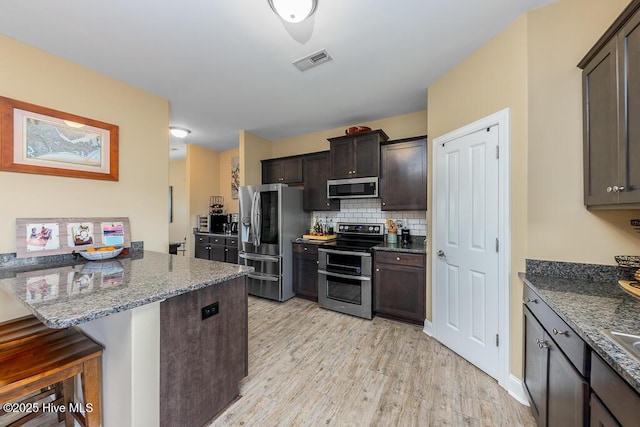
<point>174,329</point>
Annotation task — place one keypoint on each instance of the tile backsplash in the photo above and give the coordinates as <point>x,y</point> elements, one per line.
<point>369,211</point>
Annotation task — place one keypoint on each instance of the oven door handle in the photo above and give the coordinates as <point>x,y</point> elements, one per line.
<point>332,251</point>
<point>345,276</point>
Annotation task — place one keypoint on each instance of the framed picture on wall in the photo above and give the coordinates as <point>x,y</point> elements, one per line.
<point>41,140</point>
<point>235,176</point>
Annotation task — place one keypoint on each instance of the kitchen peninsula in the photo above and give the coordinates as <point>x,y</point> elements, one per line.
<point>174,329</point>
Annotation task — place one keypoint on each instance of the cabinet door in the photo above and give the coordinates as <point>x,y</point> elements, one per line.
<point>403,176</point>
<point>341,159</point>
<point>629,110</point>
<point>399,291</point>
<point>217,253</point>
<point>315,173</point>
<point>271,172</point>
<point>600,415</point>
<point>305,276</point>
<point>535,368</point>
<point>600,121</point>
<point>366,156</point>
<point>292,171</point>
<point>568,393</point>
<point>202,250</point>
<point>231,254</point>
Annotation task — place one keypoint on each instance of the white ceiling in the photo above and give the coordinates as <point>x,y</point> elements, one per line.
<point>226,65</point>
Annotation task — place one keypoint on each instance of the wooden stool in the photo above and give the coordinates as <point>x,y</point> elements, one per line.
<point>48,359</point>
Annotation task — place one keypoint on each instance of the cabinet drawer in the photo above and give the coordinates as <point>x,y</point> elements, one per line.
<point>569,342</point>
<point>200,238</point>
<point>400,258</point>
<point>231,241</point>
<point>301,248</point>
<point>618,396</point>
<point>216,240</point>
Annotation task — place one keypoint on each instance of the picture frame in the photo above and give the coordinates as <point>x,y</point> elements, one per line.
<point>40,140</point>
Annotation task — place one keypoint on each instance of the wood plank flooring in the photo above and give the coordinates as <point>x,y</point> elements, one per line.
<point>309,366</point>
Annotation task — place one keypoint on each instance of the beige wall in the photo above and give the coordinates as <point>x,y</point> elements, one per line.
<point>489,80</point>
<point>252,149</point>
<point>180,226</point>
<point>559,226</point>
<point>397,127</point>
<point>31,75</point>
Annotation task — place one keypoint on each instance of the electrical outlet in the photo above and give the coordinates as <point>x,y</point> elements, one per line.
<point>210,310</point>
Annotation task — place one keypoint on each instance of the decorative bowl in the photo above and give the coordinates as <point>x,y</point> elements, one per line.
<point>357,129</point>
<point>97,255</point>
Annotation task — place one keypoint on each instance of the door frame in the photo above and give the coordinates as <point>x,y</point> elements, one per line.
<point>502,119</point>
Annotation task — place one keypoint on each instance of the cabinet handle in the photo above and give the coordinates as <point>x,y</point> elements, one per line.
<point>528,300</point>
<point>543,344</point>
<point>305,249</point>
<point>226,250</point>
<point>327,204</point>
<point>377,269</point>
<point>397,258</point>
<point>617,189</point>
<point>384,204</point>
<point>557,332</point>
<point>609,189</point>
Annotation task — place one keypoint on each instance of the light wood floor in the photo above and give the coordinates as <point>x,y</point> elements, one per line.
<point>309,367</point>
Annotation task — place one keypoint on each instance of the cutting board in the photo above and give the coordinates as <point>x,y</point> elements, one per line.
<point>325,237</point>
<point>630,286</point>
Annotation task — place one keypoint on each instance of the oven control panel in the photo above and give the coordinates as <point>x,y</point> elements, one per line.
<point>351,228</point>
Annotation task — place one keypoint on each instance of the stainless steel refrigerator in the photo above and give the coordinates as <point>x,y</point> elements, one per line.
<point>271,216</point>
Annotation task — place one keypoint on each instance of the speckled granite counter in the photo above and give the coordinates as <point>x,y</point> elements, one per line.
<point>75,292</point>
<point>589,306</point>
<point>417,246</point>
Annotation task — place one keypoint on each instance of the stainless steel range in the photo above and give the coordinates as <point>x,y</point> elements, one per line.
<point>344,269</point>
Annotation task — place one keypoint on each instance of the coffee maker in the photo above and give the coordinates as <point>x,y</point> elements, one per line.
<point>405,238</point>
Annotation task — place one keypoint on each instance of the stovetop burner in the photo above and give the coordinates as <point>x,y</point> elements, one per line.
<point>356,237</point>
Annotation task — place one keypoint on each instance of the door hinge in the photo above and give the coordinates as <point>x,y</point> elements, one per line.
<point>497,151</point>
<point>497,245</point>
<point>497,340</point>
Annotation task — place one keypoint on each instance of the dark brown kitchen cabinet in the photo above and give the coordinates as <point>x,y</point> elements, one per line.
<point>399,286</point>
<point>284,170</point>
<point>356,156</point>
<point>305,270</point>
<point>600,415</point>
<point>315,172</point>
<point>403,175</point>
<point>617,398</point>
<point>556,366</point>
<point>611,114</point>
<point>216,248</point>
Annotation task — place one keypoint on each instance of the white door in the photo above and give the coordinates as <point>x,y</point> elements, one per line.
<point>466,287</point>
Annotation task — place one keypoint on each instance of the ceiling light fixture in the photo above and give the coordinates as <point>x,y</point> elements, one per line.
<point>293,11</point>
<point>179,132</point>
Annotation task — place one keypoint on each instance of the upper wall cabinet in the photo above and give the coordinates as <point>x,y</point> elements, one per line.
<point>284,170</point>
<point>611,107</point>
<point>356,156</point>
<point>315,168</point>
<point>403,175</point>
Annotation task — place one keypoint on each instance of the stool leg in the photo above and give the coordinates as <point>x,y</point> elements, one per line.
<point>91,390</point>
<point>68,393</point>
<point>58,394</point>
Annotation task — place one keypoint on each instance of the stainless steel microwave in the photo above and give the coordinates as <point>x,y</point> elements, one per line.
<point>353,188</point>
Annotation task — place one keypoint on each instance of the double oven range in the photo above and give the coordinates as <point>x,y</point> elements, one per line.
<point>345,269</point>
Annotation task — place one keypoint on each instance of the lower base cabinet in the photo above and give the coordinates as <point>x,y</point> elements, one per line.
<point>615,401</point>
<point>216,248</point>
<point>399,286</point>
<point>305,270</point>
<point>202,358</point>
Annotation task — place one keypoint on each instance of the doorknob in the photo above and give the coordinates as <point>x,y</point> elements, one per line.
<point>441,254</point>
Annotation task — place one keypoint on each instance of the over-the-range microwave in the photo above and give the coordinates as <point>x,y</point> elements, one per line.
<point>352,188</point>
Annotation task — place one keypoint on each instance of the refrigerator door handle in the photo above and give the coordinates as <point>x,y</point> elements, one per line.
<point>252,257</point>
<point>267,278</point>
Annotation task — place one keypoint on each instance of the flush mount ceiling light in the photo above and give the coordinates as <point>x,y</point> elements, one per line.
<point>179,132</point>
<point>293,11</point>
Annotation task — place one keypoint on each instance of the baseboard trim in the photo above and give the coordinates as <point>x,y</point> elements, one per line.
<point>515,387</point>
<point>428,328</point>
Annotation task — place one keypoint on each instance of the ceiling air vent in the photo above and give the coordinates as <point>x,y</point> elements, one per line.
<point>313,60</point>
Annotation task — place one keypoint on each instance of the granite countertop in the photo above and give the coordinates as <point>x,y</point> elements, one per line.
<point>590,306</point>
<point>75,292</point>
<point>417,246</point>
